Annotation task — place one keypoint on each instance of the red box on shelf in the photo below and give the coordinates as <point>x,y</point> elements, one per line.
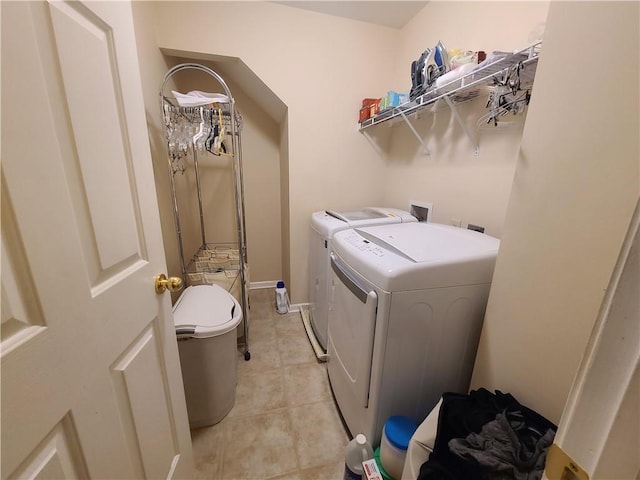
<point>370,107</point>
<point>365,112</point>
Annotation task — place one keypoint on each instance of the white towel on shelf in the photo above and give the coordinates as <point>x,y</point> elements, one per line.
<point>461,71</point>
<point>196,98</point>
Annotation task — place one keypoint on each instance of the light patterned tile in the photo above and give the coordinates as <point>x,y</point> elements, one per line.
<point>263,330</point>
<point>290,323</point>
<point>295,350</point>
<point>331,471</point>
<point>208,448</point>
<point>293,344</point>
<point>289,476</point>
<point>258,447</point>
<point>262,303</point>
<point>284,424</point>
<point>320,435</point>
<point>263,348</point>
<point>265,356</point>
<point>259,393</point>
<point>262,295</point>
<point>306,383</point>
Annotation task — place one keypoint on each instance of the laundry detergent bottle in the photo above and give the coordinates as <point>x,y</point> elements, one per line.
<point>282,299</point>
<point>358,450</point>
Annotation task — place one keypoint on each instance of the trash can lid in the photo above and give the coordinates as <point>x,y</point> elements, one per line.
<point>205,311</point>
<point>399,431</point>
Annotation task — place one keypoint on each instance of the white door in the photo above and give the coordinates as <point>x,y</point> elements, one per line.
<point>91,384</point>
<point>598,435</point>
<point>352,323</point>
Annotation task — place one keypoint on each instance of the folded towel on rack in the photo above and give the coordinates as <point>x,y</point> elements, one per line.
<point>452,75</point>
<point>196,98</point>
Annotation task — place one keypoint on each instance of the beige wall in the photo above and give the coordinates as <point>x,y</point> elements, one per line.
<point>262,165</point>
<point>576,175</point>
<point>575,187</point>
<point>320,67</point>
<point>460,184</point>
<point>260,143</point>
<point>152,69</point>
<point>261,171</point>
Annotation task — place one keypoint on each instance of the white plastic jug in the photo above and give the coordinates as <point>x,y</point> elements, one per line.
<point>358,450</point>
<point>282,299</point>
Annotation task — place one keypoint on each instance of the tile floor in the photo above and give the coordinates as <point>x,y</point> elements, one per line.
<point>284,424</point>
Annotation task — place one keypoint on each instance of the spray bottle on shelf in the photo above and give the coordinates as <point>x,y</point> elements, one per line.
<point>282,299</point>
<point>358,450</point>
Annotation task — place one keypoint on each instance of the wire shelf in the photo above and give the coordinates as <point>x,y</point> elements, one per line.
<point>466,87</point>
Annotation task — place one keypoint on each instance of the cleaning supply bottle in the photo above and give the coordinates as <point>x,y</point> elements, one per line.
<point>282,299</point>
<point>358,450</point>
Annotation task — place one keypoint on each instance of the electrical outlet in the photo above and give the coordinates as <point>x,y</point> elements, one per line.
<point>421,210</point>
<point>477,228</point>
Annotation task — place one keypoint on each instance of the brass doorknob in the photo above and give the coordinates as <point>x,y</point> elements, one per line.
<point>173,284</point>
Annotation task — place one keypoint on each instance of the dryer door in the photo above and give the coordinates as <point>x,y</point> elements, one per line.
<point>352,324</point>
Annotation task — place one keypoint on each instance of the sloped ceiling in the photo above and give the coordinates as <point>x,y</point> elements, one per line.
<point>394,14</point>
<point>386,13</point>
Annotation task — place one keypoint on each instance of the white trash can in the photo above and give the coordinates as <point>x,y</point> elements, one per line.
<point>206,318</point>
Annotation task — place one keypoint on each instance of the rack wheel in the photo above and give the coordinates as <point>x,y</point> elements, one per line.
<point>247,356</point>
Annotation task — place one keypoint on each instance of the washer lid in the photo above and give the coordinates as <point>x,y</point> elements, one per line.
<point>328,222</point>
<point>205,311</point>
<point>414,256</point>
<point>431,241</point>
<point>355,215</point>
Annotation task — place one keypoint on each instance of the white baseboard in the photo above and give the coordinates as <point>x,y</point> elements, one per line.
<point>259,285</point>
<point>321,355</point>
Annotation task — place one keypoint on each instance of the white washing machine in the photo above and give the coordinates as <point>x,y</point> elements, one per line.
<point>323,226</point>
<point>406,307</point>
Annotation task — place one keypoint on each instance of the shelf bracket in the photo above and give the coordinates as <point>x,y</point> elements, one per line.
<point>465,127</point>
<point>415,132</point>
<point>373,144</point>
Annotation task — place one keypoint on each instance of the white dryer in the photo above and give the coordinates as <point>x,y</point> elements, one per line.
<point>324,225</point>
<point>406,307</point>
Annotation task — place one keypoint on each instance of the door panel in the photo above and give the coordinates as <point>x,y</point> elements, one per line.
<point>145,404</point>
<point>91,383</point>
<point>22,315</point>
<point>57,456</point>
<point>352,321</point>
<point>102,150</point>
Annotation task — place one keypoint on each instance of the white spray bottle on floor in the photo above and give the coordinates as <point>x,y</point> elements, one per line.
<point>282,298</point>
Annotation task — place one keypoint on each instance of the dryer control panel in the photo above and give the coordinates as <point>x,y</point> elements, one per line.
<point>365,246</point>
